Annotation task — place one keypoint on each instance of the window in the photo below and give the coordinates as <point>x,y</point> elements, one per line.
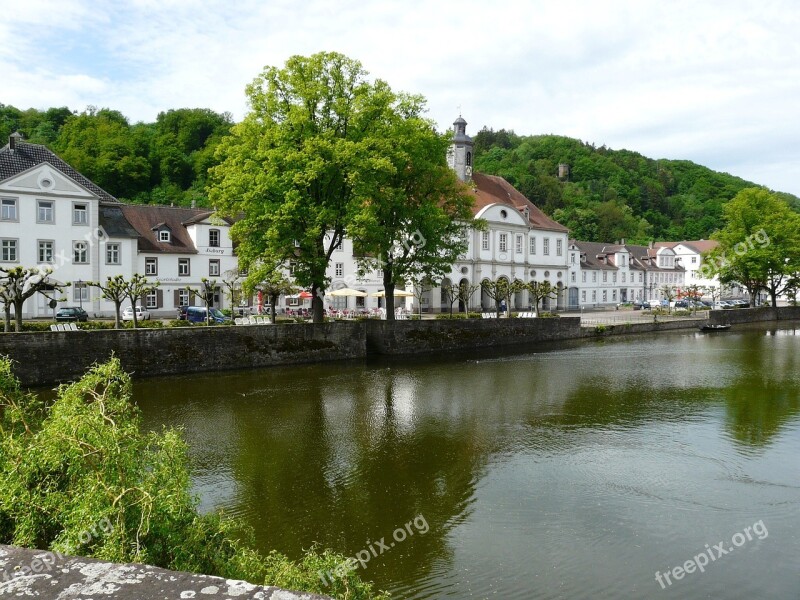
<point>694,260</point>
<point>45,252</point>
<point>80,291</point>
<point>503,242</point>
<point>44,211</point>
<point>605,276</point>
<point>469,158</point>
<point>485,240</point>
<point>614,295</point>
<point>183,297</point>
<point>80,214</point>
<point>532,244</point>
<point>151,299</point>
<point>338,247</point>
<point>583,295</point>
<point>112,254</point>
<point>80,253</point>
<point>594,295</point>
<point>641,277</point>
<point>8,250</point>
<point>614,277</point>
<point>572,258</point>
<point>183,267</point>
<point>574,277</point>
<point>164,236</point>
<point>338,269</point>
<point>519,244</point>
<point>546,247</point>
<point>605,295</point>
<point>213,267</point>
<point>213,238</point>
<point>151,266</point>
<point>594,276</point>
<point>559,247</point>
<point>9,209</point>
<point>583,276</point>
<point>623,277</point>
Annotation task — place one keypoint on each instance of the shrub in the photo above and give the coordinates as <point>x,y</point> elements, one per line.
<point>81,477</point>
<point>549,315</point>
<point>600,328</point>
<point>179,323</point>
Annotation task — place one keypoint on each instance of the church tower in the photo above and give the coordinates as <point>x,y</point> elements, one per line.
<point>459,157</point>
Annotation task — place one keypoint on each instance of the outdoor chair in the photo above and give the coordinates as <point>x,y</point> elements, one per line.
<point>73,327</point>
<point>53,327</point>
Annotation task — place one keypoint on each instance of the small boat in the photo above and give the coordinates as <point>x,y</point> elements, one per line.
<point>714,327</point>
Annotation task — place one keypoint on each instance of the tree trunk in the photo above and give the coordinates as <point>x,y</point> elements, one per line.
<point>773,295</point>
<point>117,306</point>
<point>7,315</point>
<point>388,287</point>
<point>273,300</point>
<point>317,305</point>
<point>18,314</point>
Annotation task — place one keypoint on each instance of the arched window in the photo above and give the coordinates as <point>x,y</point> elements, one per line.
<point>469,159</point>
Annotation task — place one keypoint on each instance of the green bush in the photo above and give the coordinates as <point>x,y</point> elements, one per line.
<point>80,476</point>
<point>549,315</point>
<point>600,328</point>
<point>179,323</point>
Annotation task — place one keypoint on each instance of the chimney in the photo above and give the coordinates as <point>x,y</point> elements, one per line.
<point>651,244</point>
<point>13,139</point>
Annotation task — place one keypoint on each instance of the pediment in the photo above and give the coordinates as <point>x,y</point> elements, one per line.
<point>45,179</point>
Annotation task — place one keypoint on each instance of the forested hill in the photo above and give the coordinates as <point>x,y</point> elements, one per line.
<point>611,194</point>
<point>163,162</point>
<point>608,195</point>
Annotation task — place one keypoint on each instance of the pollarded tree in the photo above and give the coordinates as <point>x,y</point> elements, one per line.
<point>299,166</point>
<point>114,290</point>
<point>496,290</point>
<point>450,292</point>
<point>538,291</point>
<point>20,283</point>
<point>668,291</point>
<point>135,289</point>
<point>413,212</point>
<point>272,282</point>
<point>759,247</point>
<point>465,293</point>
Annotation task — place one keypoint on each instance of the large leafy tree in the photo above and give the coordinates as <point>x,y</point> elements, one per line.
<point>414,214</point>
<point>759,246</point>
<point>302,163</point>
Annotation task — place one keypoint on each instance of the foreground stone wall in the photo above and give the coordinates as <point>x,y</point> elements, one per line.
<point>755,315</point>
<point>44,358</point>
<point>34,573</point>
<point>419,337</point>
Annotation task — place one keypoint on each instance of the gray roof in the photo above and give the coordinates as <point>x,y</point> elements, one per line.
<point>25,156</point>
<point>114,223</point>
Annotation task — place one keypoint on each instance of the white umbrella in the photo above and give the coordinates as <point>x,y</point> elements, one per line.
<point>347,292</point>
<point>397,294</point>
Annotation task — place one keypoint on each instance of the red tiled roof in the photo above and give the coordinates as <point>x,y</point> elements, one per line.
<point>491,189</point>
<point>145,217</point>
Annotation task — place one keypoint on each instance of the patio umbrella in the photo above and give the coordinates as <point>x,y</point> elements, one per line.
<point>397,294</point>
<point>305,295</point>
<point>346,292</point>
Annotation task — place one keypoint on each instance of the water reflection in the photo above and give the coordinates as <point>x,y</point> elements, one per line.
<point>571,472</point>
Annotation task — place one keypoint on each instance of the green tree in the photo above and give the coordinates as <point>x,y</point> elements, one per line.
<point>135,289</point>
<point>114,289</point>
<point>273,284</point>
<point>759,246</point>
<point>80,476</point>
<point>298,165</point>
<point>413,213</point>
<point>465,293</point>
<point>538,291</point>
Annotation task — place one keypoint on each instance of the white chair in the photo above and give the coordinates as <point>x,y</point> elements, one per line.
<point>73,327</point>
<point>54,327</point>
<point>237,321</point>
<point>261,320</point>
<point>63,327</point>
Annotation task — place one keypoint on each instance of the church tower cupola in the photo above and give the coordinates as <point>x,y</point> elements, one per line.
<point>461,150</point>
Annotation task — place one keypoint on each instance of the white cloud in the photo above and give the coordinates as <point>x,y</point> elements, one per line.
<point>706,81</point>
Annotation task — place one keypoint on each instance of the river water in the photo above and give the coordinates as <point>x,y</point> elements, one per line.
<point>575,471</point>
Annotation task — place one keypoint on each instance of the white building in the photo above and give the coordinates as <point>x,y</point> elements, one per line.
<point>52,216</point>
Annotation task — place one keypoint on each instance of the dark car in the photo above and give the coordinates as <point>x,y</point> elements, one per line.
<point>71,313</point>
<point>681,304</point>
<point>199,314</point>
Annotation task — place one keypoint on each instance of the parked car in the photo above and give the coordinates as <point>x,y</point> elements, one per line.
<point>638,305</point>
<point>682,304</point>
<point>724,304</point>
<point>71,313</point>
<point>741,303</point>
<point>198,314</point>
<point>141,314</point>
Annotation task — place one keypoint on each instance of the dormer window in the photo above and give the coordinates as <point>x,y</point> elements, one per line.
<point>164,236</point>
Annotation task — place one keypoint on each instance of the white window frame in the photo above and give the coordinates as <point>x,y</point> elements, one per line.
<point>583,295</point>
<point>183,297</point>
<point>80,291</point>
<point>485,240</point>
<point>42,245</point>
<point>165,236</point>
<point>559,247</point>
<point>9,250</point>
<point>111,249</point>
<point>151,266</point>
<point>80,208</point>
<point>48,210</point>
<point>151,299</point>
<point>519,243</point>
<point>80,252</point>
<point>532,245</point>
<point>211,241</point>
<point>605,276</point>
<point>12,204</point>
<point>546,246</point>
<point>338,269</point>
<point>503,243</point>
<point>184,267</point>
<point>594,276</point>
<point>212,271</point>
<point>583,277</point>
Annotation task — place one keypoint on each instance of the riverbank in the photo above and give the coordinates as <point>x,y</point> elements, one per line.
<point>44,358</point>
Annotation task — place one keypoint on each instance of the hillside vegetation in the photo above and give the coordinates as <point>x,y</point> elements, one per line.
<point>608,195</point>
<point>611,194</point>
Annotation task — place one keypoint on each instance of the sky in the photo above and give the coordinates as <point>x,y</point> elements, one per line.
<point>715,82</point>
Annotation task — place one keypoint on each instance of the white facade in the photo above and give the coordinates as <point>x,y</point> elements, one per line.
<point>53,217</point>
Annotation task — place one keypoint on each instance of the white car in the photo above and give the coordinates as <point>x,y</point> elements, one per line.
<point>141,314</point>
